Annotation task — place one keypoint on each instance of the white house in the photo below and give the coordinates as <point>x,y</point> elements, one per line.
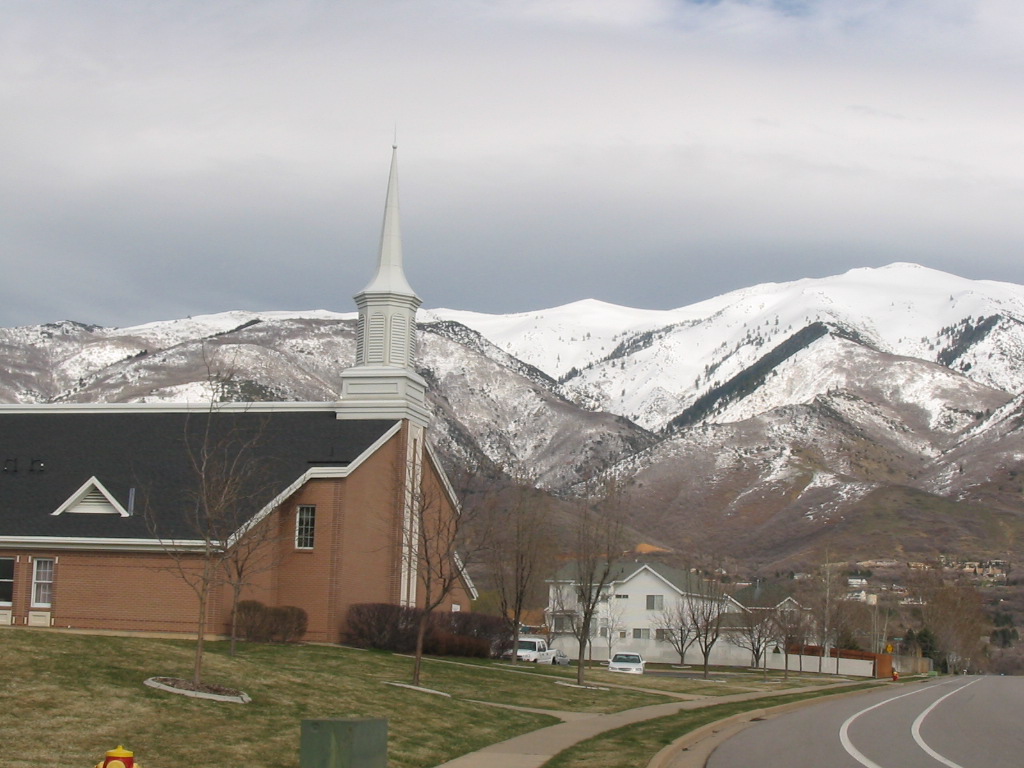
<point>636,612</point>
<point>641,604</point>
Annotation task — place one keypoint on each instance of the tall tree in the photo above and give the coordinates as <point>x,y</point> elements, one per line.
<point>706,605</point>
<point>596,543</point>
<point>226,492</point>
<point>792,623</point>
<point>520,550</point>
<point>757,628</point>
<point>673,625</point>
<point>436,544</point>
<point>955,615</point>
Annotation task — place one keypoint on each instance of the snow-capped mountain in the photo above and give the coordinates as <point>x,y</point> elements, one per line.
<point>882,406</point>
<point>651,366</point>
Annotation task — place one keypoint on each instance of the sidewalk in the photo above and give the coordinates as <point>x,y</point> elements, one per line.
<point>532,750</point>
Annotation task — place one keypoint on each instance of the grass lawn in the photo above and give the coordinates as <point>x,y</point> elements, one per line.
<point>68,698</point>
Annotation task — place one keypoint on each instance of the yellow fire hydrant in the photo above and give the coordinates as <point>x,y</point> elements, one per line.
<point>119,758</point>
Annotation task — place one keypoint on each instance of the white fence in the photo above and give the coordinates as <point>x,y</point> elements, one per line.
<point>723,654</point>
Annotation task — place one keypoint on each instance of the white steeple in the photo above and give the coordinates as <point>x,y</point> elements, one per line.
<point>390,277</point>
<point>383,383</point>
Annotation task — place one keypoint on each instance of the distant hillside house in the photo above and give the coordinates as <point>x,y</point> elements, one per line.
<point>322,500</point>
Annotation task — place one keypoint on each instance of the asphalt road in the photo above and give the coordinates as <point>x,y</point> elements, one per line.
<point>960,722</point>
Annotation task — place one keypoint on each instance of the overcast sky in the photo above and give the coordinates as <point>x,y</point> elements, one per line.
<point>167,158</point>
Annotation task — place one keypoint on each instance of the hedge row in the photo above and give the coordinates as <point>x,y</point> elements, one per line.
<point>393,628</point>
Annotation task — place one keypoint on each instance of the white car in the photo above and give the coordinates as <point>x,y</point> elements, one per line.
<point>630,663</point>
<point>561,658</point>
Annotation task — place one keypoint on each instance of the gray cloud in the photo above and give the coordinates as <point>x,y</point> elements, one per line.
<point>182,157</point>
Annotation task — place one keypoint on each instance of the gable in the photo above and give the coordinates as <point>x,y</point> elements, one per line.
<point>93,499</point>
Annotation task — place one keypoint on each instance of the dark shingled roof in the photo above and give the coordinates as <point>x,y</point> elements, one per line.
<point>47,455</point>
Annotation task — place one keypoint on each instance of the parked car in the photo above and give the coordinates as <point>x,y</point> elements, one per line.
<point>560,658</point>
<point>630,663</point>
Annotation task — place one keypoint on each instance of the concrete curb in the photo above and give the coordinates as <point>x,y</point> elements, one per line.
<point>241,698</point>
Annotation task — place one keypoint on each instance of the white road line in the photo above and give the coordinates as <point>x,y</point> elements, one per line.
<point>915,729</point>
<point>844,736</point>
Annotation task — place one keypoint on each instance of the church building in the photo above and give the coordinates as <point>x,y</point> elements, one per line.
<point>112,514</point>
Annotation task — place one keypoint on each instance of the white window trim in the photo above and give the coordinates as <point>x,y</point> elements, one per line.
<point>8,603</point>
<point>299,531</point>
<point>36,581</point>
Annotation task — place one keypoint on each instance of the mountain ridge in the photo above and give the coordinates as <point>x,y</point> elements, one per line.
<point>763,423</point>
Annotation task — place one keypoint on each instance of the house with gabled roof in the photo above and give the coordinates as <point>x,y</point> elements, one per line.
<point>636,610</point>
<point>98,502</point>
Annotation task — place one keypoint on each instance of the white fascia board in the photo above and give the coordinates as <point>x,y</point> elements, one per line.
<point>445,481</point>
<point>314,473</point>
<point>78,495</point>
<point>85,543</point>
<point>196,407</point>
<point>473,593</point>
<point>640,567</point>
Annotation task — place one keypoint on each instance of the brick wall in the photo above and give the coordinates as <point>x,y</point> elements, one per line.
<point>356,558</point>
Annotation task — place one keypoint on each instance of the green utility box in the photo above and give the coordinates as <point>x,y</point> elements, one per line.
<point>351,742</point>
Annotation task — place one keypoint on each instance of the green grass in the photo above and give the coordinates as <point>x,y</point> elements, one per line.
<point>68,698</point>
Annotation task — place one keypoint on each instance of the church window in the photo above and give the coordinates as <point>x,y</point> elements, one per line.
<point>305,527</point>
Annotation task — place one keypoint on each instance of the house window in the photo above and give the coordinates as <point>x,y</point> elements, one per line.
<point>661,635</point>
<point>562,624</point>
<point>6,580</point>
<point>641,633</point>
<point>622,597</point>
<point>655,602</point>
<point>42,583</point>
<point>305,527</point>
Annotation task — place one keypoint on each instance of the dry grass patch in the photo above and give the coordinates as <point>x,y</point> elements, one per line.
<point>67,699</point>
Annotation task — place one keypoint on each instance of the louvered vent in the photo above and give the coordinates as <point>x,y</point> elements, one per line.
<point>94,502</point>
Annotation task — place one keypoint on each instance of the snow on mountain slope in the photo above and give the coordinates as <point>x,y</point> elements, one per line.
<point>928,397</point>
<point>651,366</point>
<point>560,339</point>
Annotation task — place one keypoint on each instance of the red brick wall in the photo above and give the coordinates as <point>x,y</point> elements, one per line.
<point>356,559</point>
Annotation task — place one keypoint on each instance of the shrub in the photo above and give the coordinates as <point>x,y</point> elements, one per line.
<point>383,626</point>
<point>393,628</point>
<point>258,623</point>
<point>287,623</point>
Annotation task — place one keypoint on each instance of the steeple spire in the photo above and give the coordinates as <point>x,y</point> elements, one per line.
<point>390,275</point>
<point>383,381</point>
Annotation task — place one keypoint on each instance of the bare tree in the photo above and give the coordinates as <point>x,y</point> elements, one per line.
<point>226,492</point>
<point>956,618</point>
<point>610,625</point>
<point>596,542</point>
<point>823,595</point>
<point>705,610</point>
<point>521,546</point>
<point>673,625</point>
<point>791,623</point>
<point>251,550</point>
<point>435,541</point>
<point>756,629</point>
